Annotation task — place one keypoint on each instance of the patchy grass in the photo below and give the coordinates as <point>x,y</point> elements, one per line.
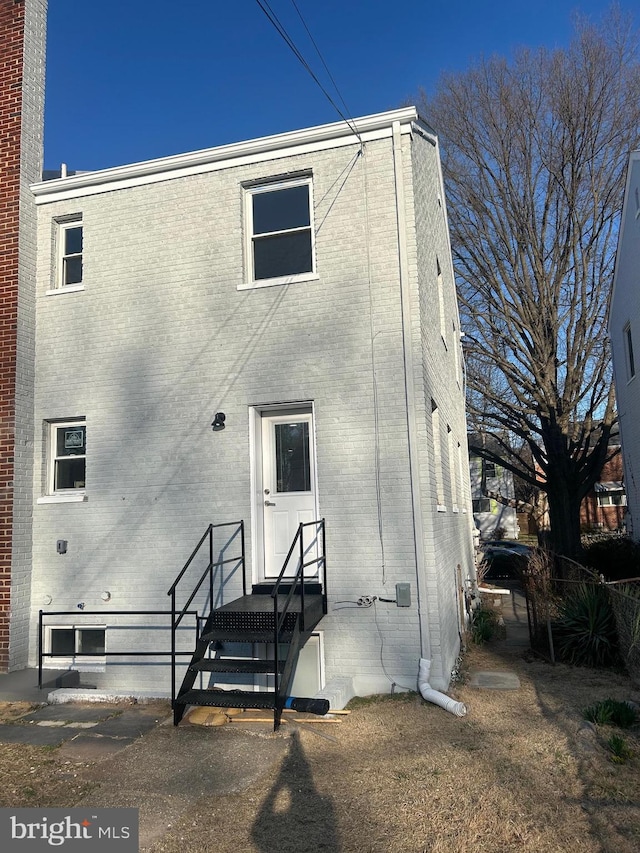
<point>522,771</point>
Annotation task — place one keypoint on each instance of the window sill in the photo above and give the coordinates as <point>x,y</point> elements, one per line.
<point>77,664</point>
<point>441,508</point>
<point>69,288</point>
<point>272,282</point>
<point>76,497</point>
<point>455,509</point>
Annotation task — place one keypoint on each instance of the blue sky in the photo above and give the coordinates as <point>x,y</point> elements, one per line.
<point>131,80</point>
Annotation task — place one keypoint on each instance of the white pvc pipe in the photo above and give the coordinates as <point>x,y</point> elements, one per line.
<point>430,695</point>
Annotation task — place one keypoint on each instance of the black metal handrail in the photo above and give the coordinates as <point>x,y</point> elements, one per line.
<point>211,568</point>
<point>279,616</point>
<point>43,614</point>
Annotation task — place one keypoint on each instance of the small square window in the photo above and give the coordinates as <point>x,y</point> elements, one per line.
<point>280,232</point>
<point>70,244</point>
<point>67,457</point>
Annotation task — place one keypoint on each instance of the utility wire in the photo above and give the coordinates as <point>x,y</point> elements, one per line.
<point>277,24</point>
<point>326,67</point>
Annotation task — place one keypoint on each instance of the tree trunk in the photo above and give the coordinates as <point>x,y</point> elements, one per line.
<point>564,515</point>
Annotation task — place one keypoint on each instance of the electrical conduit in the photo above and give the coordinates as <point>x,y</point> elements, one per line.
<point>431,695</point>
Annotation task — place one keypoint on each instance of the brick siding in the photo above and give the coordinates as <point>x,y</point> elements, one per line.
<point>22,40</point>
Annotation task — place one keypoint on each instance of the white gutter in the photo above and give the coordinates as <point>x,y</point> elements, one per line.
<point>405,300</point>
<point>309,139</point>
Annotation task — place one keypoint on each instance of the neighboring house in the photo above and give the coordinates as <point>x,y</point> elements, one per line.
<point>604,508</point>
<point>491,490</point>
<point>624,330</point>
<point>22,37</point>
<point>266,331</point>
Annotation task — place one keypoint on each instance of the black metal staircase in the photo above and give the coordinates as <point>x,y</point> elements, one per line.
<point>278,617</point>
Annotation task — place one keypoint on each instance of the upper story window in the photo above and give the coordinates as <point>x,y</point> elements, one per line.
<point>69,242</point>
<point>628,345</point>
<point>67,457</point>
<point>490,468</point>
<point>280,232</point>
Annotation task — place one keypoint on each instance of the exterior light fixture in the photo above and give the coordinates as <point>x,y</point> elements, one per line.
<point>218,421</point>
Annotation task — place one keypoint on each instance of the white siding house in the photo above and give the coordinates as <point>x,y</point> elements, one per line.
<point>624,327</point>
<point>493,518</point>
<point>300,285</point>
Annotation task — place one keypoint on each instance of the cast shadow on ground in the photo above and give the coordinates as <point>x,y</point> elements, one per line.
<point>294,815</point>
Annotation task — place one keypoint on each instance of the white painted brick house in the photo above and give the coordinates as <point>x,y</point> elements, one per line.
<point>624,330</point>
<point>302,285</point>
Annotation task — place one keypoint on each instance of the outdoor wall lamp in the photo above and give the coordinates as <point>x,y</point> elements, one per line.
<point>218,421</point>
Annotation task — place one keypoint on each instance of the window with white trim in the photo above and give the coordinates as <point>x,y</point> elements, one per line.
<point>481,504</point>
<point>69,250</point>
<point>280,245</point>
<point>441,312</point>
<point>437,454</point>
<point>70,645</point>
<point>628,345</point>
<point>611,499</point>
<point>67,457</point>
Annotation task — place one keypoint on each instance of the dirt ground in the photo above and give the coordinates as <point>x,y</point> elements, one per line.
<point>521,771</point>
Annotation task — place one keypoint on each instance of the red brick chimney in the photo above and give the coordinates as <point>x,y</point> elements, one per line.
<point>22,53</point>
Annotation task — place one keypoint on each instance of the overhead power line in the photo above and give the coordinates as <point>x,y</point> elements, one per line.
<point>280,28</point>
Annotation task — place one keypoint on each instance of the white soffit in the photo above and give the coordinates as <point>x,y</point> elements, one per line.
<point>308,140</point>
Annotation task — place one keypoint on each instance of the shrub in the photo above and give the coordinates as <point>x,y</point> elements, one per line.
<point>615,557</point>
<point>585,633</point>
<point>611,712</point>
<point>483,625</point>
<point>619,750</point>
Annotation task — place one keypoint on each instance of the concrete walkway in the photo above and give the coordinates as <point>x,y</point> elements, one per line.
<point>516,640</point>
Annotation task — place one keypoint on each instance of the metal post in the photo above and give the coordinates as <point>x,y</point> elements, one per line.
<point>173,648</point>
<point>210,567</point>
<point>301,532</point>
<point>40,650</point>
<point>244,565</point>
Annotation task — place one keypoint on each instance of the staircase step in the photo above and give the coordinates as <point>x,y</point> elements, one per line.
<point>267,587</point>
<point>236,665</point>
<point>235,635</point>
<point>228,698</point>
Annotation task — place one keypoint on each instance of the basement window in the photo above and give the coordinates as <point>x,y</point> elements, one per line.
<point>72,645</point>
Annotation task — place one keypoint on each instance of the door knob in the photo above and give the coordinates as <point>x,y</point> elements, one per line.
<point>269,503</point>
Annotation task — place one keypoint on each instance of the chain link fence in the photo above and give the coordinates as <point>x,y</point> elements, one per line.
<point>549,579</point>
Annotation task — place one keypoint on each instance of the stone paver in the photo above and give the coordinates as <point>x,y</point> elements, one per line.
<point>498,680</point>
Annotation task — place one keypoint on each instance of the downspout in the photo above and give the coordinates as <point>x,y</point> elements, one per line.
<point>430,695</point>
<point>410,397</point>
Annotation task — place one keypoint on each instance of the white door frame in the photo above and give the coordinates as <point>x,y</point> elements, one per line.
<point>257,489</point>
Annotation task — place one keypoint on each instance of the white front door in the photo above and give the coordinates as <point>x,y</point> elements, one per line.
<point>288,487</point>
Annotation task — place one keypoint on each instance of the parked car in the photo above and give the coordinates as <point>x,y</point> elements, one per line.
<point>504,559</point>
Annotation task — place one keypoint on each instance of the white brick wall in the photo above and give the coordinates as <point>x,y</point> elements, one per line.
<point>160,339</point>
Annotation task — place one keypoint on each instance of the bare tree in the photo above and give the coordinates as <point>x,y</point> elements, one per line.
<point>534,154</point>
